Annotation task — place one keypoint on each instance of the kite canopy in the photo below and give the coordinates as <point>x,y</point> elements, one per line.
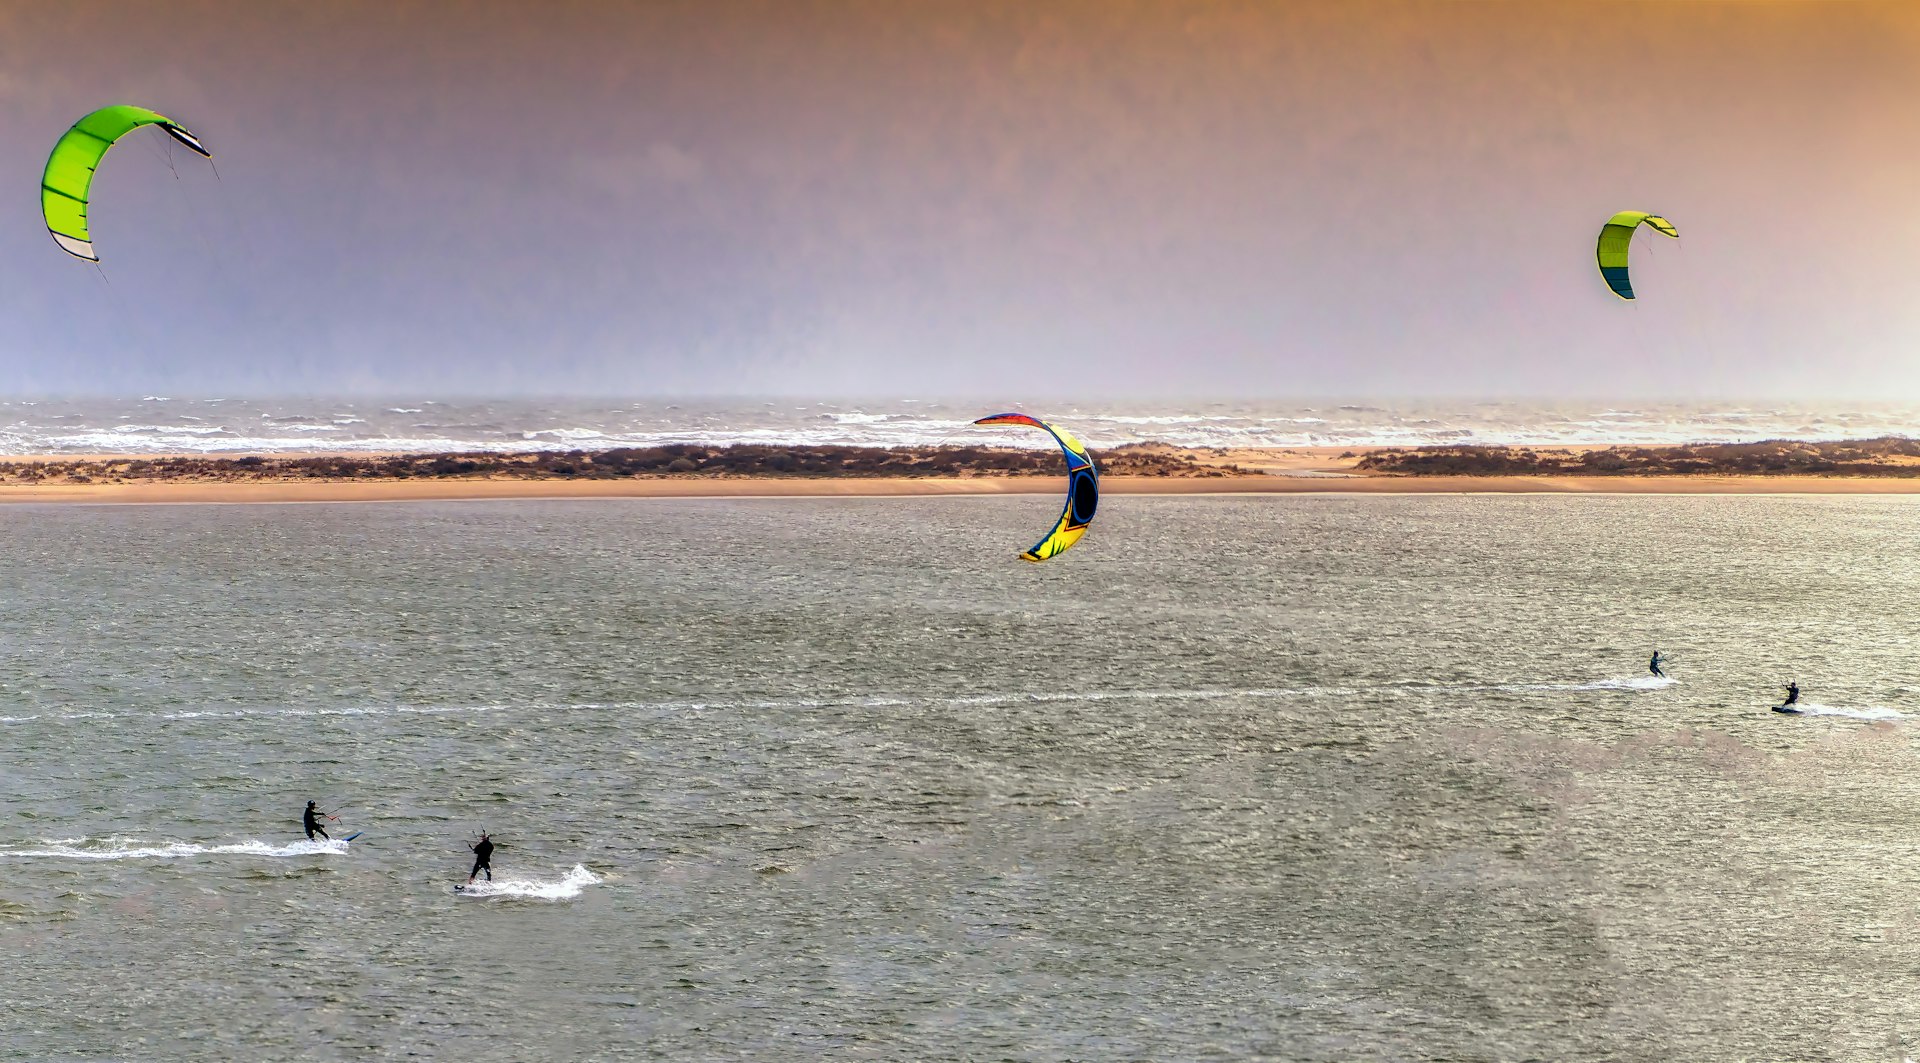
<point>68,180</point>
<point>1616,236</point>
<point>1083,488</point>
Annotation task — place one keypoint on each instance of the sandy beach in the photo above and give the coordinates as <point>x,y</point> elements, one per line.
<point>1323,470</point>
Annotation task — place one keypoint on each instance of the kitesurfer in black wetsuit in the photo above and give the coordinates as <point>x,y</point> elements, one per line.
<point>1793,694</point>
<point>482,857</point>
<point>1654,665</point>
<point>311,821</point>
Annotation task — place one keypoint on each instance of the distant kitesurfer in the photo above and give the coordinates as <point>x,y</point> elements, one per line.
<point>1793,694</point>
<point>1654,665</point>
<point>482,855</point>
<point>311,821</point>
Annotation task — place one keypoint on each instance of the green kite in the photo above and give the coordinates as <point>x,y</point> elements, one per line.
<point>68,179</point>
<point>1616,236</point>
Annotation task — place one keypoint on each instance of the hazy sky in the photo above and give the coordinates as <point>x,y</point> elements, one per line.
<point>960,198</point>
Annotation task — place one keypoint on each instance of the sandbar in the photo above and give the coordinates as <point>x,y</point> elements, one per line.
<point>1296,470</point>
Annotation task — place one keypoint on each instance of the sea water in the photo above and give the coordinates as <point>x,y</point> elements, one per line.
<point>1287,778</point>
<point>230,426</point>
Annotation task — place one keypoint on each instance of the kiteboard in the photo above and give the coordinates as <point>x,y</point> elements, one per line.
<point>1789,710</point>
<point>352,836</point>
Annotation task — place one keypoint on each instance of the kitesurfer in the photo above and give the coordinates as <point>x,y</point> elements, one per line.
<point>1654,665</point>
<point>311,821</point>
<point>482,857</point>
<point>1793,694</point>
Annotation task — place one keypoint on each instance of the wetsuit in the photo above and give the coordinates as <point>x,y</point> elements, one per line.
<point>311,821</point>
<point>1793,694</point>
<point>482,855</point>
<point>1654,666</point>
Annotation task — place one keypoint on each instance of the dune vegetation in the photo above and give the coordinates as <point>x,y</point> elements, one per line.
<point>1889,456</point>
<point>671,461</point>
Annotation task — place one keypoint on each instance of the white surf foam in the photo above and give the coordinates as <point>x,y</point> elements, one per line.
<point>124,849</point>
<point>722,704</point>
<point>1870,712</point>
<point>1628,683</point>
<point>215,426</point>
<point>1639,682</point>
<point>565,889</point>
<point>1130,695</point>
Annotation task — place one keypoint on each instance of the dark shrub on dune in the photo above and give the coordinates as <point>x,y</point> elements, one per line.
<point>1886,457</point>
<point>669,460</point>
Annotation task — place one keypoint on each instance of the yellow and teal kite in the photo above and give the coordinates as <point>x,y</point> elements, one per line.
<point>1083,488</point>
<point>68,180</point>
<point>1616,237</point>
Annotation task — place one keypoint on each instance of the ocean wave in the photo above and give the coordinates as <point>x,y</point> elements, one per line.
<point>171,429</point>
<point>195,425</point>
<point>567,435</point>
<point>1157,419</point>
<point>119,443</point>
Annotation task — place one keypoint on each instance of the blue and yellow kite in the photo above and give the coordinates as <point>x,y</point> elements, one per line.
<point>1083,488</point>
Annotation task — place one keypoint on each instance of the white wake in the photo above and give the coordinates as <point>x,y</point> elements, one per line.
<point>564,889</point>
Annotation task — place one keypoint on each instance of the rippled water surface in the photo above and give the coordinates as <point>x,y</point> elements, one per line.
<point>1292,778</point>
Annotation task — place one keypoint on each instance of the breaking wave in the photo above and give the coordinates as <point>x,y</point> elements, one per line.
<point>210,426</point>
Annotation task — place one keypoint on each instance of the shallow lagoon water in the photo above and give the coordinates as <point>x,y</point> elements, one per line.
<point>1294,778</point>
